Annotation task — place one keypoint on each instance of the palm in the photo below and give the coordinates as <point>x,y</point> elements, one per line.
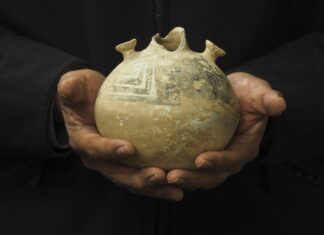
<point>257,102</point>
<point>77,92</point>
<point>79,99</point>
<point>253,119</point>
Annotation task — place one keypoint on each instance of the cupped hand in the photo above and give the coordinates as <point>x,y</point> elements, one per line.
<point>77,91</point>
<point>258,101</point>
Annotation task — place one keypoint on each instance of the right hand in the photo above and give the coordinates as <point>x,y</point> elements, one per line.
<point>77,92</point>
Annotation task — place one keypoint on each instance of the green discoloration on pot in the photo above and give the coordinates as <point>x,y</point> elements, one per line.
<point>171,102</point>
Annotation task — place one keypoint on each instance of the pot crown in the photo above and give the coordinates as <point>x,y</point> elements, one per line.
<point>175,41</point>
<point>171,102</point>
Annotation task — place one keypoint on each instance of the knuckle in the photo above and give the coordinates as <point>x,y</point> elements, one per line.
<point>105,148</point>
<point>108,148</point>
<point>138,184</point>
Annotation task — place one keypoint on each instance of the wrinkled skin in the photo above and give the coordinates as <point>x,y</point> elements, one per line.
<point>77,91</point>
<point>258,101</point>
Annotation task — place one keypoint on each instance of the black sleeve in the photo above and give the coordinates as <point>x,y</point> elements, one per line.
<point>297,70</point>
<point>29,73</point>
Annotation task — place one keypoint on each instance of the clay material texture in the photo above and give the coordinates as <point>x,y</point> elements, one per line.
<point>172,103</point>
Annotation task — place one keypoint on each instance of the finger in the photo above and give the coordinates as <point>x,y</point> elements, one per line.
<point>90,144</point>
<point>274,103</point>
<point>196,179</point>
<point>146,181</point>
<point>242,149</point>
<point>72,90</point>
<point>169,192</point>
<point>224,160</point>
<point>132,178</point>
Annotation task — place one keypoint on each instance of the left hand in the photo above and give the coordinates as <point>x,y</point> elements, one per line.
<point>76,93</point>
<point>258,101</point>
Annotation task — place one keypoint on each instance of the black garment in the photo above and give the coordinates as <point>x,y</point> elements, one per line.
<point>44,189</point>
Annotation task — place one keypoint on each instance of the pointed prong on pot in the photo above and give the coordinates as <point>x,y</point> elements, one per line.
<point>173,41</point>
<point>127,48</point>
<point>177,37</point>
<point>212,51</point>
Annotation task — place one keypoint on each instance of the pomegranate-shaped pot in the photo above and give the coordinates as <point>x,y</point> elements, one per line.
<point>172,103</point>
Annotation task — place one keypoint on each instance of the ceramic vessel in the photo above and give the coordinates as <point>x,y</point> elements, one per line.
<point>171,102</point>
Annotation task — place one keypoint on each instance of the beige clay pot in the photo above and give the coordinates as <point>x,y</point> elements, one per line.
<point>171,102</point>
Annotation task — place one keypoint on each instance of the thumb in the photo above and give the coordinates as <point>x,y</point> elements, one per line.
<point>72,90</point>
<point>274,103</point>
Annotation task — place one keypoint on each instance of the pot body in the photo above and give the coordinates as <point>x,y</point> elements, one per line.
<point>170,102</point>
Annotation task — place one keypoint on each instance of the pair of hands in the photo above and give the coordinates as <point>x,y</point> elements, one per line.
<point>77,91</point>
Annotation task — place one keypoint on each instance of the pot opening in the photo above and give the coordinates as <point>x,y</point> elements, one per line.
<point>174,40</point>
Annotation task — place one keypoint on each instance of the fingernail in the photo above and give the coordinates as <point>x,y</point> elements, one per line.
<point>122,151</point>
<point>204,164</point>
<point>177,181</point>
<point>176,196</point>
<point>153,180</point>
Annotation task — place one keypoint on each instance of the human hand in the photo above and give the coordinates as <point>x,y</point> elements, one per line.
<point>77,92</point>
<point>257,101</point>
